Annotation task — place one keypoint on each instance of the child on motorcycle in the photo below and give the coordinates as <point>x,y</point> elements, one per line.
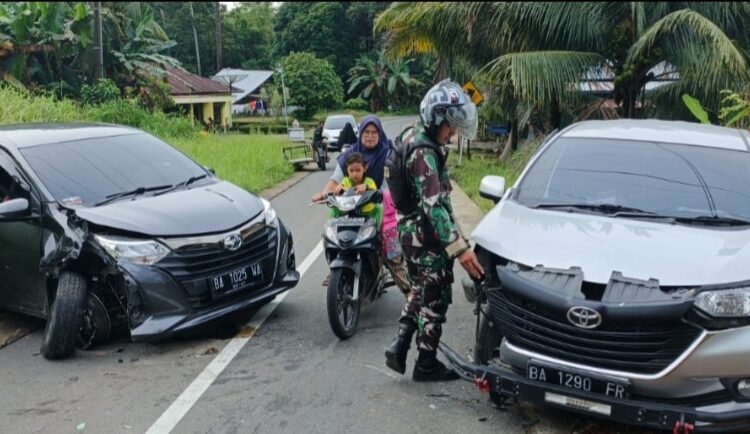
<point>355,169</point>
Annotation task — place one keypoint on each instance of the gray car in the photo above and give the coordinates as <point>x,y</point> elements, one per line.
<point>618,283</point>
<point>106,228</point>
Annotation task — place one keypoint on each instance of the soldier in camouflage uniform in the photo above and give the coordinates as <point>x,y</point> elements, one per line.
<point>430,237</point>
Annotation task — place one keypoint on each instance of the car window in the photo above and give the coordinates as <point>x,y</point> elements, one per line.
<point>87,171</point>
<point>337,123</point>
<point>9,180</point>
<point>657,177</point>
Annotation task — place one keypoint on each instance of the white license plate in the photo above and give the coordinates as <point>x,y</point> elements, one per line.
<point>235,279</point>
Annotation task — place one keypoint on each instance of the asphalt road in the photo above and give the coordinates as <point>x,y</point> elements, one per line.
<point>292,375</point>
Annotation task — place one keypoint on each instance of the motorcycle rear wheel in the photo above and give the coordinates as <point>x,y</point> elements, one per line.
<point>343,312</point>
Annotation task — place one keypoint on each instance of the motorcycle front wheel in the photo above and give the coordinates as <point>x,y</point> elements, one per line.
<point>343,312</point>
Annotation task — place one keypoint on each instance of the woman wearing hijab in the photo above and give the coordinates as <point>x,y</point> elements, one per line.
<point>347,136</point>
<point>372,143</point>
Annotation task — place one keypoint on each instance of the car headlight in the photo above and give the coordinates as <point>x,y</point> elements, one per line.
<point>365,233</point>
<point>135,251</point>
<point>347,204</point>
<point>725,303</point>
<point>269,213</point>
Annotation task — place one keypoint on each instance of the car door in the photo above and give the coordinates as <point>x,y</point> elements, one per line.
<point>22,285</point>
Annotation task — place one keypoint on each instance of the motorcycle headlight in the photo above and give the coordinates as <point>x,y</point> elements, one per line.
<point>347,203</point>
<point>365,233</point>
<point>725,303</point>
<point>139,252</point>
<point>330,232</point>
<point>269,213</point>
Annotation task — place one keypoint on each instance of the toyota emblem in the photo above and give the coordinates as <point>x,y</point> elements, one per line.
<point>584,317</point>
<point>232,242</point>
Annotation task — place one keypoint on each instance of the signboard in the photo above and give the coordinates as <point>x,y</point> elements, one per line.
<point>473,93</point>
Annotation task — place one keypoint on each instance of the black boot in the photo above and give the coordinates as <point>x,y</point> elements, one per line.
<point>429,368</point>
<point>395,355</point>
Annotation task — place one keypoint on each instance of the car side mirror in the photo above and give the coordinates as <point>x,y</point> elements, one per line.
<point>15,209</point>
<point>210,169</point>
<point>492,188</point>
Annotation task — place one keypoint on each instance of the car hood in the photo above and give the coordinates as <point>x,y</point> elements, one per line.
<point>675,255</point>
<point>200,210</point>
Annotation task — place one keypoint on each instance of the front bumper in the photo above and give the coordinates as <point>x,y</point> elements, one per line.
<point>653,414</point>
<point>163,301</point>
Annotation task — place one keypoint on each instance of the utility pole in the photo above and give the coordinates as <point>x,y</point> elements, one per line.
<point>163,26</point>
<point>283,94</point>
<point>195,37</point>
<point>218,36</point>
<point>98,48</point>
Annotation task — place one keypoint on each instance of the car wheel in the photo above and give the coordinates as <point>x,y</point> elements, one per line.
<point>488,341</point>
<point>96,326</point>
<point>65,317</point>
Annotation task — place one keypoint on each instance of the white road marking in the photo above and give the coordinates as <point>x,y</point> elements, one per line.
<point>169,420</point>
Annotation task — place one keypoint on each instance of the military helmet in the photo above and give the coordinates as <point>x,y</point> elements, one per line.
<point>447,102</point>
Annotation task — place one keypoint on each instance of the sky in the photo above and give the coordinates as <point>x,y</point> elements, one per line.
<point>232,5</point>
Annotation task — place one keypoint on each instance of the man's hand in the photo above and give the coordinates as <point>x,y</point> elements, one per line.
<point>361,188</point>
<point>471,264</point>
<point>317,197</point>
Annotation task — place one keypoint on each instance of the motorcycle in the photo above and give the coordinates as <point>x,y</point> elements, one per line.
<point>352,248</point>
<point>321,154</point>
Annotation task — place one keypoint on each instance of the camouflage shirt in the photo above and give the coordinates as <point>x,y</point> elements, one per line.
<point>432,226</point>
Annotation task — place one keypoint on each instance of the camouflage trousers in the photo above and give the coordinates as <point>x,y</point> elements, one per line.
<point>431,277</point>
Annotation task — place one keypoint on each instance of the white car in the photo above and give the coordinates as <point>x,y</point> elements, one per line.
<point>618,277</point>
<point>333,126</point>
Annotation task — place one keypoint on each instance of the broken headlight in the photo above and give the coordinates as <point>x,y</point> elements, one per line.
<point>131,250</point>
<point>725,303</point>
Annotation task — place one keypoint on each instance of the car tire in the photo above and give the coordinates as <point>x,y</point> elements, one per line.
<point>65,317</point>
<point>488,340</point>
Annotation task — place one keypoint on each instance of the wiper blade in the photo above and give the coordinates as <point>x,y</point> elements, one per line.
<point>185,183</point>
<point>617,210</point>
<point>713,220</point>
<point>133,192</point>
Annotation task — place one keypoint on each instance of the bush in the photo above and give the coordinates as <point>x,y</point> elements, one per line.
<point>312,84</point>
<point>124,112</point>
<point>22,107</point>
<point>357,104</point>
<point>104,90</point>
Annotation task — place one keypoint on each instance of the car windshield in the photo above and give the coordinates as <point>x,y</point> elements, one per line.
<point>89,171</point>
<point>337,123</point>
<point>639,178</point>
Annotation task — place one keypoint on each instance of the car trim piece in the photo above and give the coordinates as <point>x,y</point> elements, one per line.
<point>623,374</point>
<point>245,231</point>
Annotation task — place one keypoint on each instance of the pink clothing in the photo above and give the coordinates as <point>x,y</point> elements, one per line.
<point>389,229</point>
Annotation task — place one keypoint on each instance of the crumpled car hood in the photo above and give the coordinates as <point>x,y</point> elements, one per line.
<point>675,255</point>
<point>200,210</point>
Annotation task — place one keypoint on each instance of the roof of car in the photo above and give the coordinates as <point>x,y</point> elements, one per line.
<point>27,135</point>
<point>339,116</point>
<point>652,130</point>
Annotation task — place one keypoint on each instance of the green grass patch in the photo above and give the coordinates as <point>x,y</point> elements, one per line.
<point>253,162</point>
<point>469,175</point>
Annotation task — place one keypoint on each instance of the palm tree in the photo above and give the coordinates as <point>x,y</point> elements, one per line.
<point>544,49</point>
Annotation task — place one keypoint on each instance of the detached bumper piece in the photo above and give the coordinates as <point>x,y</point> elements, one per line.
<point>652,414</point>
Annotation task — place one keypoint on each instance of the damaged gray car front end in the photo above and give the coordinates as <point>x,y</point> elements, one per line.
<point>108,228</point>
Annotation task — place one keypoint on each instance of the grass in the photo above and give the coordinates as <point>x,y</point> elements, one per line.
<point>253,162</point>
<point>469,175</point>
